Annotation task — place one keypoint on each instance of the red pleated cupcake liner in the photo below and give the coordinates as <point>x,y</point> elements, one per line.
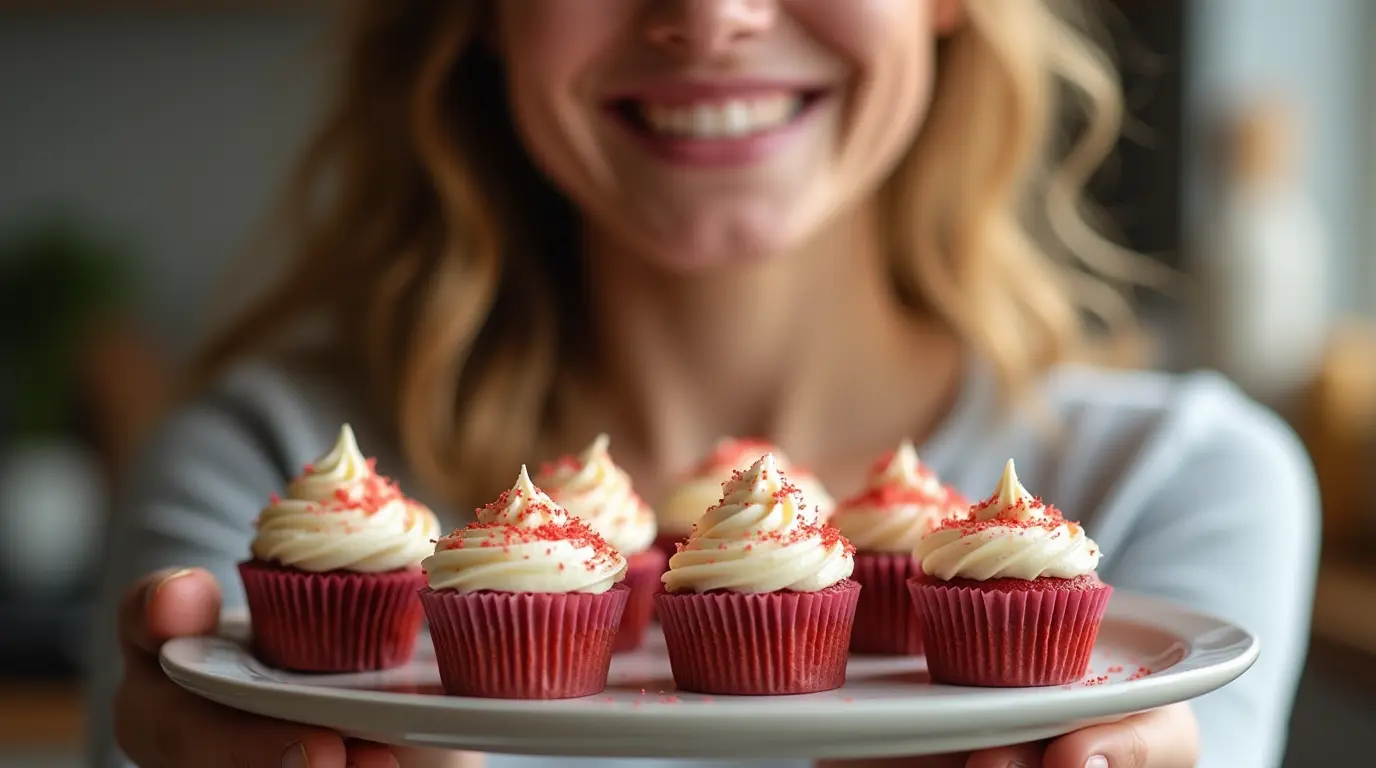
<point>886,622</point>
<point>524,645</point>
<point>337,621</point>
<point>778,643</point>
<point>643,577</point>
<point>991,637</point>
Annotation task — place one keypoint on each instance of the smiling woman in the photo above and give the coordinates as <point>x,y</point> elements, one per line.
<point>919,133</point>
<point>831,226</point>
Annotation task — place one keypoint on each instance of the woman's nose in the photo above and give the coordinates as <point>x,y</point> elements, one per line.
<point>707,28</point>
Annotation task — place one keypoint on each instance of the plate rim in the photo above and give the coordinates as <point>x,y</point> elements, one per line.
<point>1212,668</point>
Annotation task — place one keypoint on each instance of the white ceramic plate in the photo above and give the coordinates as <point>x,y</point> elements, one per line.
<point>1149,653</point>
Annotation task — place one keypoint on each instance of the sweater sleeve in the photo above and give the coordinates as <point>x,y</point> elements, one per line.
<point>1230,527</point>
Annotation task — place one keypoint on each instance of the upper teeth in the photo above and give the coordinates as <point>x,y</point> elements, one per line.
<point>730,118</point>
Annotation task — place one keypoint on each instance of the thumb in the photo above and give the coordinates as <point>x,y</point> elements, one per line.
<point>167,604</point>
<point>1160,738</point>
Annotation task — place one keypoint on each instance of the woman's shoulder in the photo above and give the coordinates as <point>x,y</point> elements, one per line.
<point>1189,414</point>
<point>1189,411</point>
<point>1076,388</point>
<point>1119,442</point>
<point>271,412</point>
<point>300,400</point>
<point>1129,441</point>
<point>1105,416</point>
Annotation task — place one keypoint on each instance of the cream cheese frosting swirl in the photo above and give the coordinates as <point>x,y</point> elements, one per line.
<point>1010,535</point>
<point>703,486</point>
<point>339,514</point>
<point>902,502</point>
<point>594,489</point>
<point>525,542</point>
<point>761,537</point>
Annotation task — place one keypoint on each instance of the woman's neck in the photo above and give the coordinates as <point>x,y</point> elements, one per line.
<point>811,350</point>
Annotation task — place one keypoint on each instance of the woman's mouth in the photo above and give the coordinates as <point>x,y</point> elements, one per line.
<point>715,129</point>
<point>727,118</point>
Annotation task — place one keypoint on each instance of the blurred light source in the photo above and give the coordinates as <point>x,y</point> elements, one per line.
<point>52,509</point>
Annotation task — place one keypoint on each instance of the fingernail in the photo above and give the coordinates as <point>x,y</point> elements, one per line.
<point>296,757</point>
<point>1098,761</point>
<point>173,576</point>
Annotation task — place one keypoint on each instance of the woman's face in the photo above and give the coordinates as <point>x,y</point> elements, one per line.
<point>698,133</point>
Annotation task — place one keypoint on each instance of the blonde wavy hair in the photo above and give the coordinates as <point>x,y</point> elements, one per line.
<point>422,229</point>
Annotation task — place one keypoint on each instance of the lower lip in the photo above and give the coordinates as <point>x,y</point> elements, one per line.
<point>726,152</point>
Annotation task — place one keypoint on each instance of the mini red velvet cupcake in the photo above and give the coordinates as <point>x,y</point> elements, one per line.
<point>702,487</point>
<point>1008,596</point>
<point>335,569</point>
<point>758,599</point>
<point>525,603</point>
<point>595,490</point>
<point>903,501</point>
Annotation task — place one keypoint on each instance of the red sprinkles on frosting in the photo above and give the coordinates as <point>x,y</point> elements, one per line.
<point>883,492</point>
<point>804,532</point>
<point>368,494</point>
<point>881,466</point>
<point>728,453</point>
<point>786,490</point>
<point>1033,504</point>
<point>801,531</point>
<point>569,463</point>
<point>891,495</point>
<point>575,532</point>
<point>969,526</point>
<point>1050,518</point>
<point>533,507</point>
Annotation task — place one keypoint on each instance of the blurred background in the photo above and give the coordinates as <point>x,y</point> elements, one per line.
<point>141,143</point>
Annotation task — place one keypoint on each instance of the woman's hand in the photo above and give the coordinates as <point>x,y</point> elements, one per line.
<point>158,725</point>
<point>1162,738</point>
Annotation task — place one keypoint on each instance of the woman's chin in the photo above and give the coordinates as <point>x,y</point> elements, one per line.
<point>709,262</point>
<point>689,238</point>
<point>685,257</point>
